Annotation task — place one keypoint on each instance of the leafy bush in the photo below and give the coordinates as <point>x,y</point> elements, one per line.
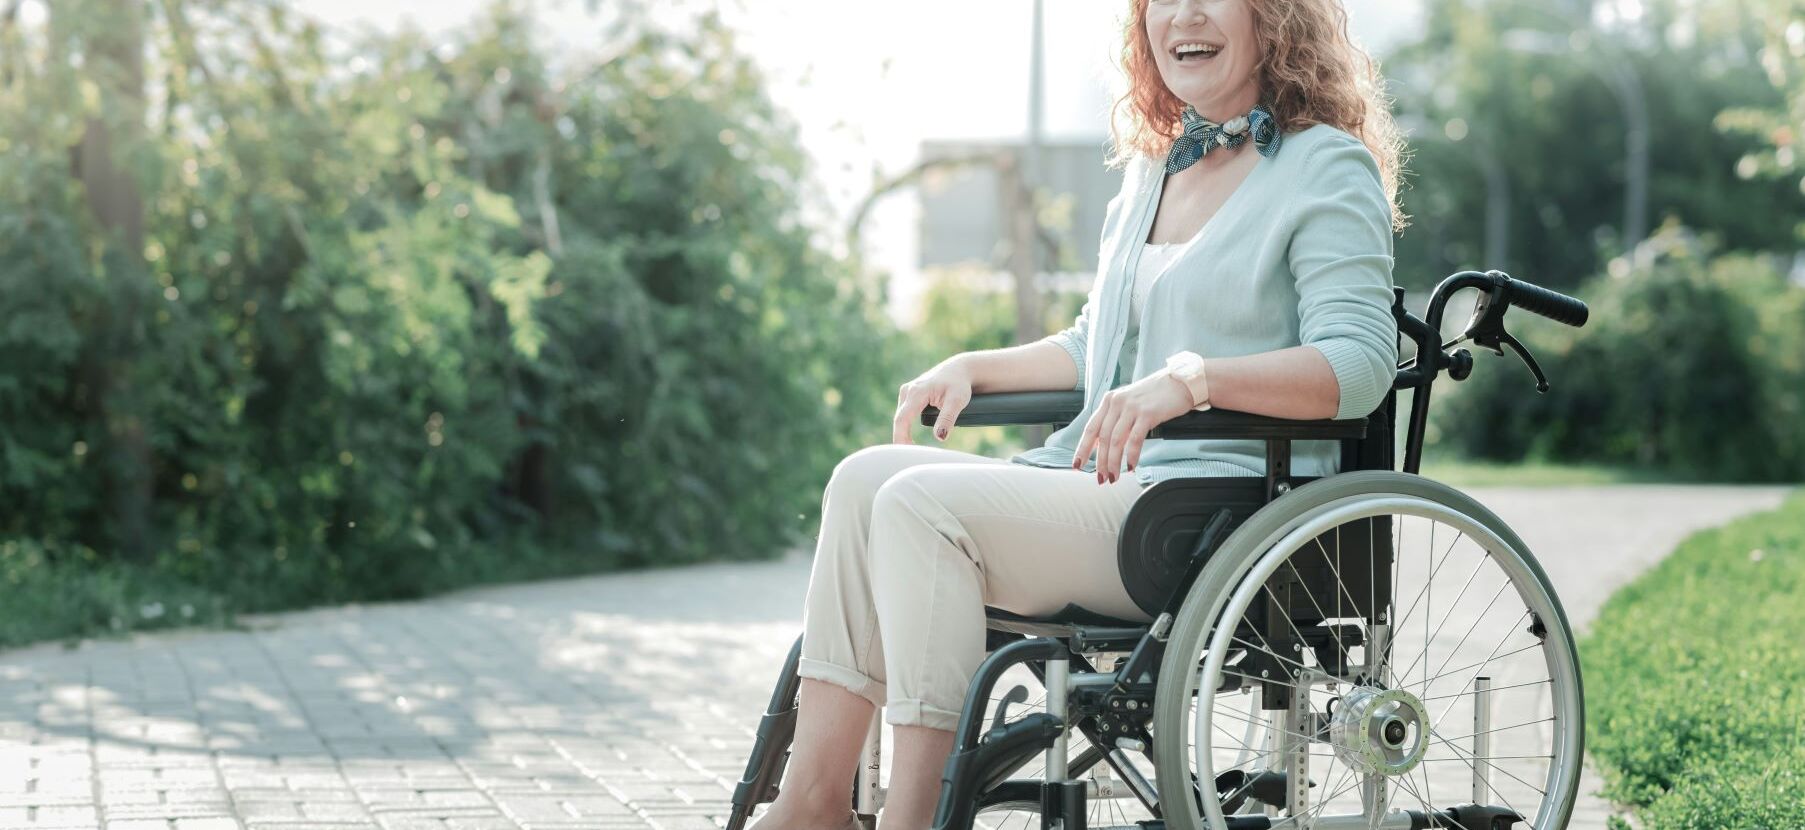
<point>1691,367</point>
<point>1694,677</point>
<point>407,314</point>
<point>960,315</point>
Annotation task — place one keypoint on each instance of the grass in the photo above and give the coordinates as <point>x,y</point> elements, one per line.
<point>1695,680</point>
<point>1465,473</point>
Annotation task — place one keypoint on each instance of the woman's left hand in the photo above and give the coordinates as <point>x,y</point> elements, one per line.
<point>1124,417</point>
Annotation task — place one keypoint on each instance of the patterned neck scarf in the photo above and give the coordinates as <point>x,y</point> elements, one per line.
<point>1202,135</point>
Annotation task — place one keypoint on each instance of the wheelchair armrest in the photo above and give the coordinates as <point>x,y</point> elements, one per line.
<point>1228,423</point>
<point>1000,408</point>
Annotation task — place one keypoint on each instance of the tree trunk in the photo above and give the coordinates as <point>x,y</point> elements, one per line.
<point>111,38</point>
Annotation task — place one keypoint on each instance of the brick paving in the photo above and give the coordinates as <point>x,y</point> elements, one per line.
<point>622,701</point>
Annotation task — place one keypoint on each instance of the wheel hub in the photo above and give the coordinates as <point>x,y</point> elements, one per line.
<point>1380,731</point>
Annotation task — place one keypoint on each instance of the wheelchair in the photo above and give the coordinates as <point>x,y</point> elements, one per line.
<point>1369,649</point>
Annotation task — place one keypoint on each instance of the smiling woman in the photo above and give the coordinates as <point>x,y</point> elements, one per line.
<point>1245,264</point>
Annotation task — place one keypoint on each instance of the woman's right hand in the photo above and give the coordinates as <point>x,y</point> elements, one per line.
<point>947,386</point>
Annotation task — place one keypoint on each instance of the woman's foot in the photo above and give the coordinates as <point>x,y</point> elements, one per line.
<point>780,817</point>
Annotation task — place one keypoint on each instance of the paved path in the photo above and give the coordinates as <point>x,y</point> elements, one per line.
<point>610,702</point>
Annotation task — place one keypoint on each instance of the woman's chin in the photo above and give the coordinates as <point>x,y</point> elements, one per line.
<point>1190,91</point>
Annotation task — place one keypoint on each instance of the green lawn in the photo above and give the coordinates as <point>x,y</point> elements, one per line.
<point>1463,473</point>
<point>1695,680</point>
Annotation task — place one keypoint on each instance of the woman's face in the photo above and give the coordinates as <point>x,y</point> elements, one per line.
<point>1219,78</point>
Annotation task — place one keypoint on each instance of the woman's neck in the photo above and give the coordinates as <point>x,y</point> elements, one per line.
<point>1222,110</point>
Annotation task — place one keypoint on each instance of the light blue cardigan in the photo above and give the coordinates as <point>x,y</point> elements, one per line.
<point>1299,254</point>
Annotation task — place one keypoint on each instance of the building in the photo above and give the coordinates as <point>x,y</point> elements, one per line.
<point>962,211</point>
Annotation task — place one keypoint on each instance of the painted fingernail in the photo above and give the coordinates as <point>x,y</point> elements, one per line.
<point>941,433</point>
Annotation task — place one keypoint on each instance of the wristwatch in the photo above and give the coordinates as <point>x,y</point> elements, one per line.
<point>1187,367</point>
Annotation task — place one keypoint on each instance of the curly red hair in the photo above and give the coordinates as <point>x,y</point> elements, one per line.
<point>1310,72</point>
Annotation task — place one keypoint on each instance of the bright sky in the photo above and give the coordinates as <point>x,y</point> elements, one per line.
<point>868,82</point>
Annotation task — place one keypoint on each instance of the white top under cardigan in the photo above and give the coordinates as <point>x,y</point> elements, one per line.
<point>1299,254</point>
<point>1153,263</point>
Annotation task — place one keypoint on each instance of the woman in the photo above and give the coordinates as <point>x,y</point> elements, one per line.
<point>1253,229</point>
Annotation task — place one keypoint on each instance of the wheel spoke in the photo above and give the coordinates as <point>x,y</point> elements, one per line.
<point>1494,689</point>
<point>1510,653</point>
<point>1478,669</point>
<point>1452,607</point>
<point>1549,719</point>
<point>1469,633</point>
<point>1458,750</point>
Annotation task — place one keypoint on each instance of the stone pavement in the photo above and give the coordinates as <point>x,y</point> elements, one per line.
<point>623,701</point>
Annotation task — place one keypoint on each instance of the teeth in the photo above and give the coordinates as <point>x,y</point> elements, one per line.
<point>1186,49</point>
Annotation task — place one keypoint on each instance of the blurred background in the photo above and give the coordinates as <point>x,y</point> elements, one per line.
<point>337,300</point>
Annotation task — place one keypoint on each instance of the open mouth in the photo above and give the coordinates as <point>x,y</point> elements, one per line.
<point>1193,52</point>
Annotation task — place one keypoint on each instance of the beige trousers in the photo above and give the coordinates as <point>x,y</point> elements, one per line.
<point>916,540</point>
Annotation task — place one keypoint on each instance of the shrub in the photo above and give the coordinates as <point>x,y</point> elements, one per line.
<point>442,314</point>
<point>1691,367</point>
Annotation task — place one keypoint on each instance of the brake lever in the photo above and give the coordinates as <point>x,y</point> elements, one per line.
<point>1515,346</point>
<point>1486,328</point>
<point>1017,695</point>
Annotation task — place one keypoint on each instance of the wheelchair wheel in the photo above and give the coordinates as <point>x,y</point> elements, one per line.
<point>1373,649</point>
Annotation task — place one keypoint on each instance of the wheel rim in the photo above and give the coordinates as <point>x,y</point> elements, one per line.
<point>1426,687</point>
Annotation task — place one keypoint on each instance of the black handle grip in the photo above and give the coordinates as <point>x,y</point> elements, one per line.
<point>1550,304</point>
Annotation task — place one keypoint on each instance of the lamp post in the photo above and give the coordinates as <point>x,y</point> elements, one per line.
<point>1023,221</point>
<point>1626,85</point>
<point>1497,188</point>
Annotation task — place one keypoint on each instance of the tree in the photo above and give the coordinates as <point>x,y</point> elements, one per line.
<point>398,315</point>
<point>1550,131</point>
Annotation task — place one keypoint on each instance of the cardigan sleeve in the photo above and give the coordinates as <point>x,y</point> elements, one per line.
<point>1073,339</point>
<point>1341,256</point>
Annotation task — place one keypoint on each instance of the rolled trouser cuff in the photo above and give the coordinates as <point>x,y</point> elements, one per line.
<point>920,713</point>
<point>848,679</point>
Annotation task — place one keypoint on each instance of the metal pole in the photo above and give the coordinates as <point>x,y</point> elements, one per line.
<point>1621,76</point>
<point>1497,205</point>
<point>1029,325</point>
<point>1616,69</point>
<point>1482,739</point>
<point>1025,224</point>
<point>1058,672</point>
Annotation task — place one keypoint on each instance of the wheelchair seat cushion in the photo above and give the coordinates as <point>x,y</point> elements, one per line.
<point>1163,528</point>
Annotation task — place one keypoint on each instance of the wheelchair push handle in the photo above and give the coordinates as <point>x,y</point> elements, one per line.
<point>1533,298</point>
<point>1498,293</point>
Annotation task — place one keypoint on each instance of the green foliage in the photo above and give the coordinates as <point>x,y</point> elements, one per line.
<point>1779,129</point>
<point>58,591</point>
<point>1694,678</point>
<point>1690,368</point>
<point>959,315</point>
<point>1539,97</point>
<point>410,315</point>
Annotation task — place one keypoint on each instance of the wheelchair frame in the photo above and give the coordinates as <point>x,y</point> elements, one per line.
<point>1168,537</point>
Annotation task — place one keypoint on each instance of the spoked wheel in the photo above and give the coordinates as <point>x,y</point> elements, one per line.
<point>1015,804</point>
<point>1370,645</point>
